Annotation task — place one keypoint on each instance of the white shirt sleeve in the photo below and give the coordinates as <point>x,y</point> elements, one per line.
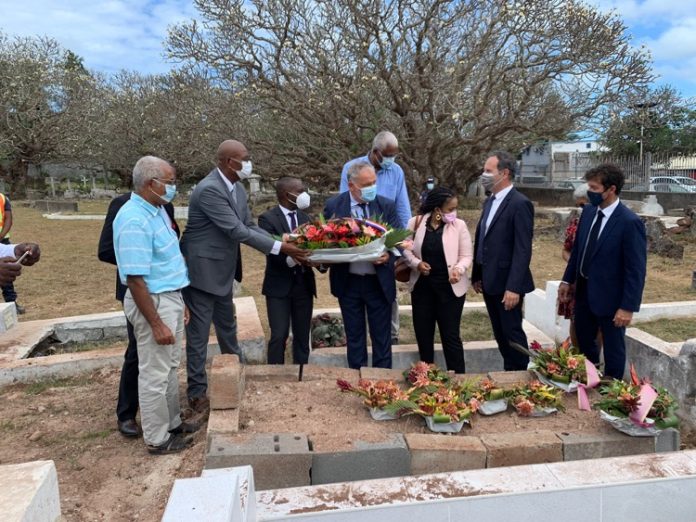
<point>276,248</point>
<point>7,250</point>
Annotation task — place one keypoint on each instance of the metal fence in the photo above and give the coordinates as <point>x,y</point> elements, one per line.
<point>566,168</point>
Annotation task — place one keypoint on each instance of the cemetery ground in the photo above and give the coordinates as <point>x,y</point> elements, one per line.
<point>104,476</point>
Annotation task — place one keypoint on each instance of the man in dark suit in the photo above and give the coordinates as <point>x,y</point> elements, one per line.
<point>219,220</point>
<point>607,265</point>
<point>289,288</point>
<point>502,253</point>
<point>127,405</point>
<point>365,286</point>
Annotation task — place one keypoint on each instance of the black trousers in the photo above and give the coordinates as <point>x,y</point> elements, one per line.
<point>507,327</point>
<point>430,306</point>
<point>8,291</point>
<point>296,310</point>
<point>127,405</point>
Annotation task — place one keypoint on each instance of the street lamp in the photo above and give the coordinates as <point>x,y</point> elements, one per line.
<point>642,106</point>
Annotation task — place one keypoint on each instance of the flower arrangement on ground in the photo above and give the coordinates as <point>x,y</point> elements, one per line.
<point>637,408</point>
<point>377,396</point>
<point>445,409</point>
<point>563,366</point>
<point>491,397</point>
<point>327,331</point>
<point>422,374</point>
<point>345,240</point>
<point>536,399</point>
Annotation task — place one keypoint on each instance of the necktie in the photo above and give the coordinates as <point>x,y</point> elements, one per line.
<point>365,210</point>
<point>591,244</point>
<point>484,218</point>
<point>293,221</point>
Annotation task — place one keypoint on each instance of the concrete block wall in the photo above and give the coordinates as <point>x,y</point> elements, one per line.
<point>29,492</point>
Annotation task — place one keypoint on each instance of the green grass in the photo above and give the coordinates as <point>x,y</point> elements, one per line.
<point>38,387</point>
<point>475,326</point>
<point>95,435</point>
<point>670,330</point>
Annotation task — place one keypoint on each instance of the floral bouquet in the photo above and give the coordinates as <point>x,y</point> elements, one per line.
<point>492,399</point>
<point>563,366</point>
<point>445,409</point>
<point>377,396</point>
<point>535,399</point>
<point>345,240</point>
<point>423,374</point>
<point>327,331</point>
<point>637,408</point>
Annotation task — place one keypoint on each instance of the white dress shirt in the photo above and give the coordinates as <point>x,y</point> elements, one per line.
<point>607,214</point>
<point>286,212</point>
<point>497,200</point>
<point>360,267</point>
<point>230,186</point>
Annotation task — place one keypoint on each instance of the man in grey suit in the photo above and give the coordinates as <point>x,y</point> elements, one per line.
<point>219,220</point>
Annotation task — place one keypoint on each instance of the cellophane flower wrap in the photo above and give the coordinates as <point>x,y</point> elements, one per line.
<point>637,407</point>
<point>346,240</point>
<point>375,394</point>
<point>562,366</point>
<point>491,397</point>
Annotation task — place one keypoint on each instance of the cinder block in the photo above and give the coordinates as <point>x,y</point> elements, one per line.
<point>382,374</point>
<point>527,447</point>
<point>8,316</point>
<point>507,380</point>
<point>667,440</point>
<point>280,460</point>
<point>226,382</point>
<point>367,460</point>
<point>432,453</point>
<point>583,446</point>
<point>223,422</point>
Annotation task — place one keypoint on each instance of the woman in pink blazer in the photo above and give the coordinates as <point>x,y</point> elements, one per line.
<point>439,260</point>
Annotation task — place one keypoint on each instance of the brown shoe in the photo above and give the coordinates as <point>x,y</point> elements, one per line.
<point>200,404</point>
<point>174,444</point>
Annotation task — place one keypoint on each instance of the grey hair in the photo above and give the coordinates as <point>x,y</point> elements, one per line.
<point>356,168</point>
<point>581,191</point>
<point>383,140</point>
<point>146,169</point>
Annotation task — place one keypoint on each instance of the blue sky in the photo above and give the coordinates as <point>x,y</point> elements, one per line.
<point>128,34</point>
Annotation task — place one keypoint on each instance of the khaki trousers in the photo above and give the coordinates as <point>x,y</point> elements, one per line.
<point>158,385</point>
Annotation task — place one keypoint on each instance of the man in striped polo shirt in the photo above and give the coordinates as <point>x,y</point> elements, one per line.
<point>151,265</point>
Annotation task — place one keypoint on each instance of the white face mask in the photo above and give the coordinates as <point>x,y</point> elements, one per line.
<point>302,200</point>
<point>246,170</point>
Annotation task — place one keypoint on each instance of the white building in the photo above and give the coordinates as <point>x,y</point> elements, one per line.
<point>552,161</point>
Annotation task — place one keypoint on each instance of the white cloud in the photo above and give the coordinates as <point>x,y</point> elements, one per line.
<point>109,35</point>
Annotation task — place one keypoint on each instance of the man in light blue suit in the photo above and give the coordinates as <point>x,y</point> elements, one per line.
<point>608,266</point>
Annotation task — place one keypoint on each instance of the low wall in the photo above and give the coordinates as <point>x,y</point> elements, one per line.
<point>554,197</point>
<point>48,205</point>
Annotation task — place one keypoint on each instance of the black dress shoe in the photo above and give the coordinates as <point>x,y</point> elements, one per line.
<point>186,427</point>
<point>129,428</point>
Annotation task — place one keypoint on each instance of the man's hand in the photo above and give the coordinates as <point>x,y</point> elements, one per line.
<point>384,258</point>
<point>564,293</point>
<point>9,270</point>
<point>510,300</point>
<point>34,253</point>
<point>622,318</point>
<point>162,334</point>
<point>477,286</point>
<point>187,315</point>
<point>300,255</point>
<point>424,268</point>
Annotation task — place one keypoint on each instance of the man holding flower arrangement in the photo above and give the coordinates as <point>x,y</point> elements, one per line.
<point>365,286</point>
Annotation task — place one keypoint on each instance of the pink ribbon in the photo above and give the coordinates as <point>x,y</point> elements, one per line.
<point>647,396</point>
<point>592,381</point>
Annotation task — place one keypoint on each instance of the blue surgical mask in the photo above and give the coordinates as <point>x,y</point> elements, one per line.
<point>169,192</point>
<point>595,198</point>
<point>387,161</point>
<point>368,193</point>
<point>430,186</point>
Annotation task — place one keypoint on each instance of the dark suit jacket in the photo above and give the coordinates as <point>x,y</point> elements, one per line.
<point>507,247</point>
<point>218,222</point>
<point>277,280</point>
<point>106,252</point>
<point>381,208</point>
<point>616,274</point>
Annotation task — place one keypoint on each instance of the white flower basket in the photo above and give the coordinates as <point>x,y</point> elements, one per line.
<point>627,426</point>
<point>444,427</point>
<point>379,414</point>
<point>370,252</point>
<point>493,407</point>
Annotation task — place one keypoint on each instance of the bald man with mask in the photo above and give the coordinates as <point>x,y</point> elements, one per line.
<point>219,220</point>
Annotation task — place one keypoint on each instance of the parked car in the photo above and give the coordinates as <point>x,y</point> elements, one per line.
<point>672,184</point>
<point>570,184</point>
